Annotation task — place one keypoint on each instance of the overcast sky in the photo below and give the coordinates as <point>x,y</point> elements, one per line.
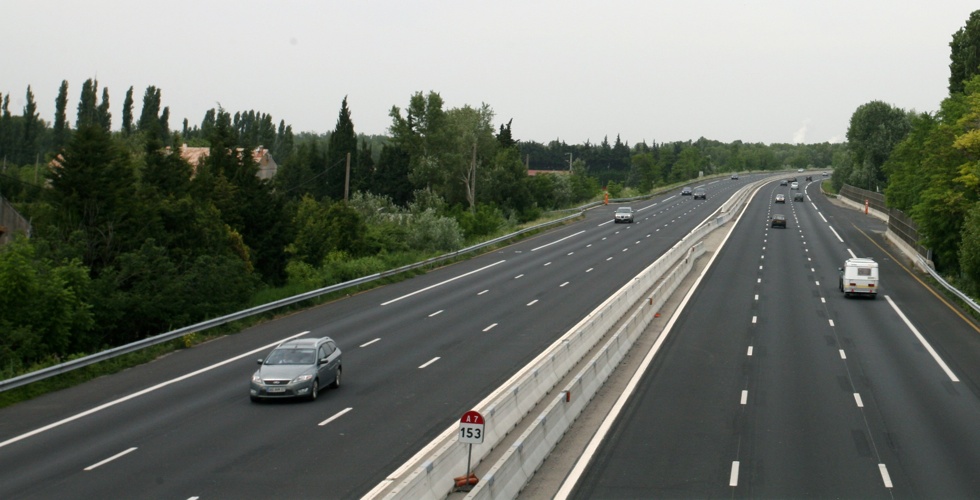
<point>756,71</point>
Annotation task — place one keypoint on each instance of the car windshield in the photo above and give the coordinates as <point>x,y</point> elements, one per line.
<point>624,210</point>
<point>291,357</point>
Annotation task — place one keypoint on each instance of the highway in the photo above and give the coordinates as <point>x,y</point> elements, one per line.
<point>772,384</point>
<point>417,354</point>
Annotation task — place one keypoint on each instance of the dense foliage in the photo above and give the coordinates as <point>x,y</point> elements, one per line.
<point>130,239</point>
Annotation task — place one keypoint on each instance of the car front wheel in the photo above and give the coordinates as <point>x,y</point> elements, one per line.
<point>314,389</point>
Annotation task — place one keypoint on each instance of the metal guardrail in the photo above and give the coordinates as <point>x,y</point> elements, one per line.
<point>75,364</point>
<point>964,297</point>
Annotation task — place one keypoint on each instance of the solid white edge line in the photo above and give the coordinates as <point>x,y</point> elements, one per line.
<point>396,299</point>
<point>583,461</point>
<point>117,455</point>
<point>145,391</point>
<point>922,340</point>
<point>335,416</point>
<point>733,478</point>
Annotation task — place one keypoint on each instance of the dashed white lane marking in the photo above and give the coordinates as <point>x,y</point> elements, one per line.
<point>519,276</point>
<point>483,292</point>
<point>437,313</point>
<point>750,351</point>
<point>842,354</point>
<point>535,301</point>
<point>491,327</point>
<point>369,343</point>
<point>336,416</point>
<point>429,362</point>
<point>745,397</point>
<point>117,455</point>
<point>884,475</point>
<point>733,478</point>
<point>396,299</point>
<point>857,399</point>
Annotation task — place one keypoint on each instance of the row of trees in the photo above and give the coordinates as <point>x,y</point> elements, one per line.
<point>130,240</point>
<point>928,164</point>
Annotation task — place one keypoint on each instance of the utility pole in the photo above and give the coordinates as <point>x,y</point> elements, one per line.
<point>347,179</point>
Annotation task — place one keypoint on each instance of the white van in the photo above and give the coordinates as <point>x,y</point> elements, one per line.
<point>859,276</point>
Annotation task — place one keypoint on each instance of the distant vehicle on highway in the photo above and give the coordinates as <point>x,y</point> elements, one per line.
<point>859,276</point>
<point>623,214</point>
<point>797,196</point>
<point>799,170</point>
<point>783,182</point>
<point>686,191</point>
<point>809,178</point>
<point>780,198</point>
<point>825,174</point>
<point>794,185</point>
<point>779,220</point>
<point>297,369</point>
<point>700,193</point>
<point>734,177</point>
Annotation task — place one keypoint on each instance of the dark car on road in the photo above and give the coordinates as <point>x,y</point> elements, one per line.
<point>783,182</point>
<point>297,369</point>
<point>700,193</point>
<point>797,196</point>
<point>779,220</point>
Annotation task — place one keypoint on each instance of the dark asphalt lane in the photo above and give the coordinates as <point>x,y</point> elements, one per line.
<point>411,367</point>
<point>774,385</point>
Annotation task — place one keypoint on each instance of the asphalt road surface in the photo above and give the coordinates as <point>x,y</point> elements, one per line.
<point>772,384</point>
<point>417,354</point>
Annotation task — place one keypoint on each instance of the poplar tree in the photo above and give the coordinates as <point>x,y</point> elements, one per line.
<point>60,129</point>
<point>127,113</point>
<point>32,129</point>
<point>87,106</point>
<point>102,114</point>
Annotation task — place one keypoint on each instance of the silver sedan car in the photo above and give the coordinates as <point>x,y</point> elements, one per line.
<point>297,369</point>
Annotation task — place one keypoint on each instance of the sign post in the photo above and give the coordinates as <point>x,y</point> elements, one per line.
<point>471,430</point>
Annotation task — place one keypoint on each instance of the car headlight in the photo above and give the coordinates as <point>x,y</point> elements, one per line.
<point>301,378</point>
<point>256,379</point>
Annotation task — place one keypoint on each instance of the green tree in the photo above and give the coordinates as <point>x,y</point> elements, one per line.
<point>964,54</point>
<point>102,114</point>
<point>88,105</point>
<point>42,309</point>
<point>127,113</point>
<point>343,141</point>
<point>875,128</point>
<point>92,189</point>
<point>33,127</point>
<point>60,130</point>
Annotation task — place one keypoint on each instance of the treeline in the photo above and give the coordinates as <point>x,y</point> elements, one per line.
<point>130,239</point>
<point>928,164</point>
